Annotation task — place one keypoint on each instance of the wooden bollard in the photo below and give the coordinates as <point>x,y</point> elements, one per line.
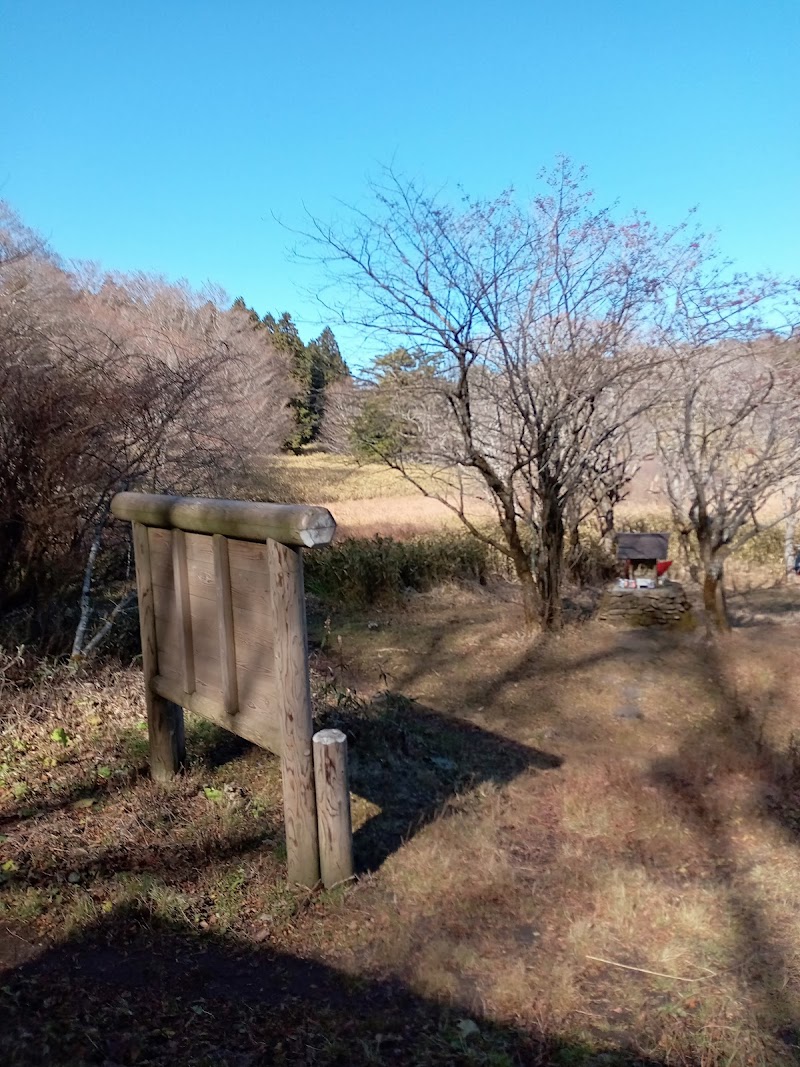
<point>333,807</point>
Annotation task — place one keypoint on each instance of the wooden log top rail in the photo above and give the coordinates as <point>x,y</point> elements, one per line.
<point>289,524</point>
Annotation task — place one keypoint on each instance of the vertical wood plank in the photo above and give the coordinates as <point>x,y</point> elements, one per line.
<point>164,719</point>
<point>227,645</point>
<point>294,709</point>
<point>333,807</point>
<point>180,572</point>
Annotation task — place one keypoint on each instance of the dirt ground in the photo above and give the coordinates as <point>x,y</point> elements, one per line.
<point>573,850</point>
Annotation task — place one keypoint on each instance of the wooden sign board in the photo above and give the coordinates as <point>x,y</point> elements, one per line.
<point>222,619</point>
<point>214,631</point>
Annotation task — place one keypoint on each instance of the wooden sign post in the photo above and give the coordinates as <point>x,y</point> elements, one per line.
<point>223,626</point>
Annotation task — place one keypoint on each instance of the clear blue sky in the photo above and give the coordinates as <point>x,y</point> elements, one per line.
<point>164,136</point>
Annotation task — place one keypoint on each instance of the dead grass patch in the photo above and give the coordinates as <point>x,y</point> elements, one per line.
<point>509,825</point>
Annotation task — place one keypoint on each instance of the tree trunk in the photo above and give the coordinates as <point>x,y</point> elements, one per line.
<point>788,546</point>
<point>530,595</point>
<point>550,560</point>
<point>574,554</point>
<point>714,593</point>
<point>605,520</point>
<point>520,557</point>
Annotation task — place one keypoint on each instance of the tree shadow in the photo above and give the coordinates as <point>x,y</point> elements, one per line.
<point>729,740</point>
<point>78,789</point>
<point>130,990</point>
<point>774,602</point>
<point>733,744</point>
<point>405,759</point>
<point>409,761</point>
<point>210,747</point>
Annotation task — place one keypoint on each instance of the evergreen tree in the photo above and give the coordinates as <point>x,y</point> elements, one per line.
<point>285,337</point>
<point>239,305</point>
<point>380,431</point>
<point>313,367</point>
<point>329,357</point>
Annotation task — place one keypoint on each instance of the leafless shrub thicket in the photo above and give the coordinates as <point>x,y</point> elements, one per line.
<point>728,433</point>
<point>344,402</point>
<point>111,382</point>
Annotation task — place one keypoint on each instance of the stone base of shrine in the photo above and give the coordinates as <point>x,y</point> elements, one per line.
<point>666,605</point>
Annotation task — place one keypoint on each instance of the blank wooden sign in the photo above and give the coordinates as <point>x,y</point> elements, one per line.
<point>222,617</point>
<point>215,632</point>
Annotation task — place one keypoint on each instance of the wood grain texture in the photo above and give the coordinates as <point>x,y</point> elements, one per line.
<point>291,524</point>
<point>184,610</point>
<point>253,725</point>
<point>257,715</point>
<point>294,710</point>
<point>252,647</point>
<point>333,807</point>
<point>227,644</point>
<point>164,718</point>
<point>247,564</point>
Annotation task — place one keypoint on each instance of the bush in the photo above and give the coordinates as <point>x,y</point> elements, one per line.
<point>359,572</point>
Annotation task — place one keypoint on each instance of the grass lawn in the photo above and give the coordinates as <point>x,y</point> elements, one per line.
<point>579,851</point>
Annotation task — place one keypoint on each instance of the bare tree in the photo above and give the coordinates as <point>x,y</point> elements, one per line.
<point>532,325</point>
<point>258,387</point>
<point>606,480</point>
<point>728,430</point>
<point>108,383</point>
<point>344,403</point>
<point>790,506</point>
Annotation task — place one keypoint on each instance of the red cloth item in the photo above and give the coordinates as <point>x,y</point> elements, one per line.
<point>663,567</point>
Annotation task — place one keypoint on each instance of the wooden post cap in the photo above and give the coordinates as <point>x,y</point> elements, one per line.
<point>330,737</point>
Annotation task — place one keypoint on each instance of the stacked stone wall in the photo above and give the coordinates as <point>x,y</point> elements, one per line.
<point>667,605</point>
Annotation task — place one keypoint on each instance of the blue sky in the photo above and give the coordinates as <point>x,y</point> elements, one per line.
<point>166,136</point>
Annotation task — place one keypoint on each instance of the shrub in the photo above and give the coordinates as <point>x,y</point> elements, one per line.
<point>379,570</point>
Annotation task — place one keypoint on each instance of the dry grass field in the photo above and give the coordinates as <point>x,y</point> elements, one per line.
<point>369,498</point>
<point>365,498</point>
<point>576,850</point>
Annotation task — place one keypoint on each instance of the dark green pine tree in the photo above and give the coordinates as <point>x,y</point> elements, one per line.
<point>333,367</point>
<point>239,305</point>
<point>313,367</point>
<point>285,336</point>
<point>379,431</point>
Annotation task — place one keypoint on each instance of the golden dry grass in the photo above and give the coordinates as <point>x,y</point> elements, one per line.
<point>495,862</point>
<point>365,498</point>
<point>369,499</point>
<point>314,477</point>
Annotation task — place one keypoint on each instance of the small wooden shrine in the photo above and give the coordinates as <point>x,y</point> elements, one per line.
<point>641,554</point>
<point>641,596</point>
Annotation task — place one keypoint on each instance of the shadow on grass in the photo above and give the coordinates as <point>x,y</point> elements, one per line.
<point>407,760</point>
<point>733,744</point>
<point>130,991</point>
<point>84,785</point>
<point>410,760</point>
<point>770,603</point>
